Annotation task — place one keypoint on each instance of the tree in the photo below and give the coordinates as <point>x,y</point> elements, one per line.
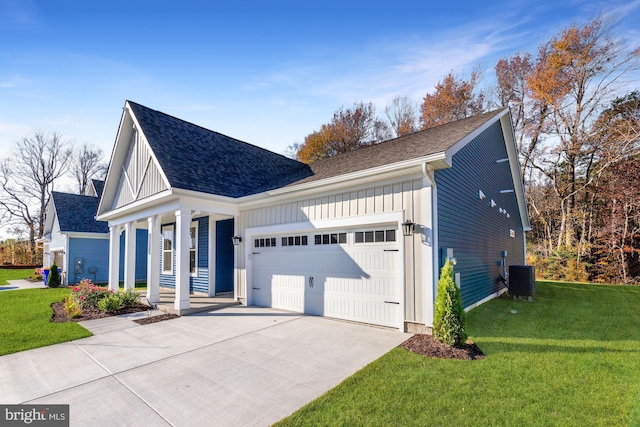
<point>402,116</point>
<point>574,74</point>
<point>449,316</point>
<point>349,130</point>
<point>26,180</point>
<point>453,99</point>
<point>54,277</point>
<point>86,164</point>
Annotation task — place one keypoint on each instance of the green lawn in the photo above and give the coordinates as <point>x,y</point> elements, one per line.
<point>25,318</point>
<point>11,274</point>
<point>570,358</point>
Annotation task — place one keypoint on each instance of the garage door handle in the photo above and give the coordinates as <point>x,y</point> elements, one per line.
<point>255,253</point>
<point>391,250</point>
<point>311,281</point>
<point>257,289</point>
<point>391,302</point>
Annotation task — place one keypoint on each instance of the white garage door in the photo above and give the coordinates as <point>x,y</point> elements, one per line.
<point>351,275</point>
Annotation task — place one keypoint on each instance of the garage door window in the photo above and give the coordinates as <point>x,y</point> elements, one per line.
<point>330,239</point>
<point>375,236</point>
<point>295,241</point>
<point>269,242</point>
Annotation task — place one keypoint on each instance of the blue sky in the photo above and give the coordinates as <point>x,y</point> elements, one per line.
<point>266,72</point>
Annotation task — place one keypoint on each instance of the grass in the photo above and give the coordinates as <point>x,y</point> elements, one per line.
<point>570,358</point>
<point>25,318</point>
<point>11,274</point>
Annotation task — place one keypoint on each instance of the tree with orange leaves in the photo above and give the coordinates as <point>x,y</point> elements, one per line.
<point>453,99</point>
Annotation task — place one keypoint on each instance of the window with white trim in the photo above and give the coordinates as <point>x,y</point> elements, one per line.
<point>330,239</point>
<point>269,242</point>
<point>167,249</point>
<point>193,249</point>
<point>295,241</point>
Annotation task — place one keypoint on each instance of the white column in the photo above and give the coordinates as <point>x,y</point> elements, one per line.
<point>114,257</point>
<point>182,240</point>
<point>212,256</point>
<point>153,259</point>
<point>130,256</point>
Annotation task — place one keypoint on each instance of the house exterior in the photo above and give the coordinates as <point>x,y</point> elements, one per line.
<point>79,244</point>
<point>326,238</point>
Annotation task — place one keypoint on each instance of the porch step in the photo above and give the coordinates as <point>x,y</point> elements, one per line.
<point>168,308</point>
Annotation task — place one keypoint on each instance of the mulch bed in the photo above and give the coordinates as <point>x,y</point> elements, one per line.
<point>60,314</point>
<point>154,319</point>
<point>427,345</point>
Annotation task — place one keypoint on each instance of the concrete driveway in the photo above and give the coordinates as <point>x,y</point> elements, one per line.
<point>237,366</point>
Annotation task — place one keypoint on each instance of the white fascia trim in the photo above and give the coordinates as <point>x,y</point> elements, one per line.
<point>467,139</point>
<point>205,202</point>
<point>87,235</point>
<point>138,204</point>
<point>354,221</point>
<point>56,249</point>
<point>114,151</point>
<point>514,165</point>
<point>153,155</point>
<point>437,157</point>
<point>483,300</point>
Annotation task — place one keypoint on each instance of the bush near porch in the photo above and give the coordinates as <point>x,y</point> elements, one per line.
<point>569,358</point>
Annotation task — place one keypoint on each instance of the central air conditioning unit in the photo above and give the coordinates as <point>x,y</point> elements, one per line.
<point>522,280</point>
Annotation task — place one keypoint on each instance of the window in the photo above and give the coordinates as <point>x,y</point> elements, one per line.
<point>375,236</point>
<point>295,241</point>
<point>193,249</point>
<point>330,239</point>
<point>167,249</point>
<point>269,242</point>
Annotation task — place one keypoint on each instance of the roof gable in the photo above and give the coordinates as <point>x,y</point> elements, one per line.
<point>98,187</point>
<point>197,159</point>
<point>76,213</point>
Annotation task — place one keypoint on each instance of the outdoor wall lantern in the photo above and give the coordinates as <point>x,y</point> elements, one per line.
<point>407,227</point>
<point>236,240</point>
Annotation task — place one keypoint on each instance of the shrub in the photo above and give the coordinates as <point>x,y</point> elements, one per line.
<point>129,298</point>
<point>110,303</point>
<point>449,317</point>
<point>54,277</point>
<point>72,307</point>
<point>88,295</point>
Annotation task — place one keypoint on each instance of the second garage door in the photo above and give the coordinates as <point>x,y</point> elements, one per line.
<point>346,274</point>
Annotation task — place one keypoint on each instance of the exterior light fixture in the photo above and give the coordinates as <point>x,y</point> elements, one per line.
<point>236,240</point>
<point>407,227</point>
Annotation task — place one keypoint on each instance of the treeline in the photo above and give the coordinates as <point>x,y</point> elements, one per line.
<point>577,128</point>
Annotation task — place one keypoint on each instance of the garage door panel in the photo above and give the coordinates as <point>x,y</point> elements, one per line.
<point>357,282</point>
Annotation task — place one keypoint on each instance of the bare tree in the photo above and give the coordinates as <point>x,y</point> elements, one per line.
<point>27,177</point>
<point>86,164</point>
<point>402,115</point>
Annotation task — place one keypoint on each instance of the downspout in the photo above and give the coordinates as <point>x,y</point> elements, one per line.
<point>430,177</point>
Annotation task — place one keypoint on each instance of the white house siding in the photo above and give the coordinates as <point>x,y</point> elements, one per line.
<point>141,177</point>
<point>406,195</point>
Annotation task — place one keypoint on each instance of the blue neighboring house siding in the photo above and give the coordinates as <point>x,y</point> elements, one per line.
<point>94,253</point>
<point>141,255</point>
<point>201,282</point>
<point>476,232</point>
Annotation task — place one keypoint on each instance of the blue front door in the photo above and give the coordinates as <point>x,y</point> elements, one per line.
<point>224,256</point>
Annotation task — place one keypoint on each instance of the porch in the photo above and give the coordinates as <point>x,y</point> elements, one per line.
<point>197,302</point>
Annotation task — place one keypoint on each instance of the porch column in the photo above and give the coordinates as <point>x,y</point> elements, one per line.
<point>212,256</point>
<point>114,257</point>
<point>182,240</point>
<point>130,256</point>
<point>153,259</point>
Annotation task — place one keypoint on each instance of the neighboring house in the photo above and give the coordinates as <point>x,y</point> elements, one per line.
<point>325,238</point>
<point>79,244</point>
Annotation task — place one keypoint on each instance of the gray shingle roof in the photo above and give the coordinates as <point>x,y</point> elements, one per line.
<point>413,146</point>
<point>198,159</point>
<point>76,213</point>
<point>98,185</point>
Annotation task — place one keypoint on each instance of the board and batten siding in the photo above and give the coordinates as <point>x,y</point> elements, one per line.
<point>139,176</point>
<point>406,195</point>
<point>94,253</point>
<point>475,231</point>
<point>199,283</point>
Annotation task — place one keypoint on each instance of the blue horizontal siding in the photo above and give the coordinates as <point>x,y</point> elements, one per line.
<point>477,232</point>
<point>93,253</point>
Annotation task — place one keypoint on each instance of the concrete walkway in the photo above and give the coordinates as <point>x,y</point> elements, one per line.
<point>232,367</point>
<point>21,284</point>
